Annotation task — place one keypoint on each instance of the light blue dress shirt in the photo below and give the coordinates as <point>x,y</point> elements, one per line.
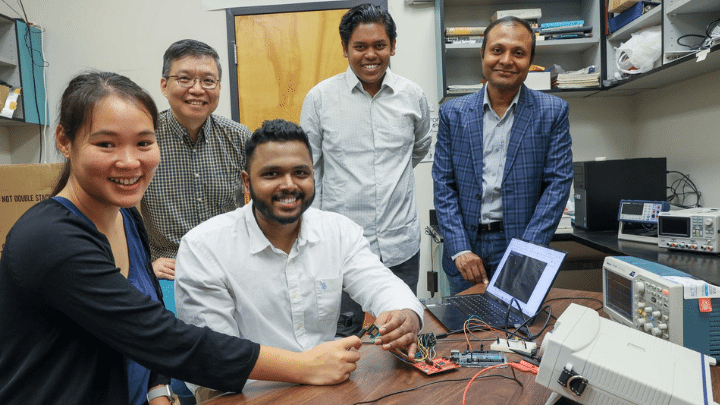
<point>364,151</point>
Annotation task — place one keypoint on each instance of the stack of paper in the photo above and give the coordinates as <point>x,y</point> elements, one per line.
<point>577,80</point>
<point>463,88</point>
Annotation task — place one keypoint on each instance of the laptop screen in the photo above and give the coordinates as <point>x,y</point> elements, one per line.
<point>526,272</point>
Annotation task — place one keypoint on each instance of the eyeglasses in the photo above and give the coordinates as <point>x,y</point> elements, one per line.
<point>207,83</point>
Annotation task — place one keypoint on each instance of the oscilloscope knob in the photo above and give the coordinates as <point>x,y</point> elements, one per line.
<point>640,287</point>
<point>648,327</point>
<point>708,221</point>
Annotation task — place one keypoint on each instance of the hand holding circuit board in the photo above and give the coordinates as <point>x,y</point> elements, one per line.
<point>397,331</point>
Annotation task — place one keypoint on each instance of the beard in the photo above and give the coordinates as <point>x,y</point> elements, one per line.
<point>266,210</point>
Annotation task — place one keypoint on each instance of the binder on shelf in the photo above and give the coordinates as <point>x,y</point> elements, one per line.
<point>567,36</point>
<point>568,30</point>
<point>629,15</point>
<point>562,24</point>
<point>467,39</point>
<point>460,31</point>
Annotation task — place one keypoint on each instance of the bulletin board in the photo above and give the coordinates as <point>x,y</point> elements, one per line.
<point>278,53</point>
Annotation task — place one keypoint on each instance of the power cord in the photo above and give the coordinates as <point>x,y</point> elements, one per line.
<point>679,191</point>
<point>370,401</point>
<point>712,33</point>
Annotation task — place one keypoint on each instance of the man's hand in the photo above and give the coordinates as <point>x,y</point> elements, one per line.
<point>398,330</point>
<point>471,268</point>
<point>164,268</point>
<point>331,362</point>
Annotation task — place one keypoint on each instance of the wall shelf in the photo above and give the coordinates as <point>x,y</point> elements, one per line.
<point>460,64</point>
<point>649,19</point>
<point>21,67</point>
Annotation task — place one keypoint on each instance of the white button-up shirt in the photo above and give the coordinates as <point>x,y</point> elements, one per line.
<point>364,150</point>
<point>230,278</point>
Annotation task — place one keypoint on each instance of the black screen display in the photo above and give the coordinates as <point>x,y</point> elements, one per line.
<point>618,294</point>
<point>674,226</point>
<point>632,208</point>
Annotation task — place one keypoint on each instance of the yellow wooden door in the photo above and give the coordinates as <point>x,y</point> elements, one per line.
<point>281,56</point>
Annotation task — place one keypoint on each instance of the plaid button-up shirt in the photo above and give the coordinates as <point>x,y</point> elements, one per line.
<point>193,182</point>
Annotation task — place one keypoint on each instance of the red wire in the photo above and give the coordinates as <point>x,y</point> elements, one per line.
<point>522,366</point>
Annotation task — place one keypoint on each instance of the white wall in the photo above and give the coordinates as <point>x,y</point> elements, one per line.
<point>682,122</point>
<point>129,37</point>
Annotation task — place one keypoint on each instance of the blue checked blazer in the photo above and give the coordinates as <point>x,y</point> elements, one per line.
<point>536,179</point>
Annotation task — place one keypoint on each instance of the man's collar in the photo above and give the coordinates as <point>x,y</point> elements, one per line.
<point>258,241</point>
<point>352,81</point>
<point>486,98</point>
<point>177,127</point>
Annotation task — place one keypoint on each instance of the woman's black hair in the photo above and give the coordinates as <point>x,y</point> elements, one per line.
<point>83,93</point>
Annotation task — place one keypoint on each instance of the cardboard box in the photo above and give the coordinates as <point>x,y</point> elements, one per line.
<point>21,187</point>
<point>4,92</point>
<point>618,6</point>
<point>629,15</point>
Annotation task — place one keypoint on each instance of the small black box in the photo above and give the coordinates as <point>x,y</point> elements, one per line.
<point>600,185</point>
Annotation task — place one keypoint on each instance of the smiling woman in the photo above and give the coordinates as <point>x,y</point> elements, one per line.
<point>81,309</point>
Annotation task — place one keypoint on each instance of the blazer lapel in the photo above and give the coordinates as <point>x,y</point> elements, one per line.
<point>474,131</point>
<point>523,116</point>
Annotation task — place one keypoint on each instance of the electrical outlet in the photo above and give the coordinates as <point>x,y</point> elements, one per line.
<point>504,345</point>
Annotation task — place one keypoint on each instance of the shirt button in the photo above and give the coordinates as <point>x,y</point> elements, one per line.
<point>298,326</point>
<point>199,199</point>
<point>478,196</point>
<point>197,175</point>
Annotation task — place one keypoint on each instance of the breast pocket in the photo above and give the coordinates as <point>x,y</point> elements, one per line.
<point>327,292</point>
<point>397,138</point>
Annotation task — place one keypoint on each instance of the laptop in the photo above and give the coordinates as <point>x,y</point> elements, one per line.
<point>515,293</point>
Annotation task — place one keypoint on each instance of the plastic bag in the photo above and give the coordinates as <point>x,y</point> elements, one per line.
<point>640,51</point>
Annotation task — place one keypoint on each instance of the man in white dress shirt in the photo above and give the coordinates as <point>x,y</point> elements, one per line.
<point>273,270</point>
<point>369,128</point>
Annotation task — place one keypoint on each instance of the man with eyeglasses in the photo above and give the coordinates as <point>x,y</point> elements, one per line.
<point>202,154</point>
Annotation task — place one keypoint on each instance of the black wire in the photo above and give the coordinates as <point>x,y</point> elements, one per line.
<point>370,401</point>
<point>27,39</point>
<point>684,182</point>
<point>9,6</point>
<point>701,45</point>
<point>475,338</point>
<point>529,338</point>
<point>507,332</point>
<point>578,298</point>
<point>31,51</point>
<point>711,26</point>
<point>696,46</point>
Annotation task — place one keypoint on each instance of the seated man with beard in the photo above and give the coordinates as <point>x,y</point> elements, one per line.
<point>273,271</point>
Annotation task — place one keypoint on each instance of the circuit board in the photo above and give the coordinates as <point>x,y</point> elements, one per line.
<point>435,366</point>
<point>478,358</point>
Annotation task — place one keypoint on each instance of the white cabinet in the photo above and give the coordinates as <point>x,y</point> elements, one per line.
<point>681,22</point>
<point>460,65</point>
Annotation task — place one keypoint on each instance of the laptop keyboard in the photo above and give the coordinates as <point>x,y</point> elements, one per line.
<point>485,309</point>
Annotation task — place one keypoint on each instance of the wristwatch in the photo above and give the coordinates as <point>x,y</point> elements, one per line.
<point>161,391</point>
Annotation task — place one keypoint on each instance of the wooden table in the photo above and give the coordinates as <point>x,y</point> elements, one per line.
<point>380,373</point>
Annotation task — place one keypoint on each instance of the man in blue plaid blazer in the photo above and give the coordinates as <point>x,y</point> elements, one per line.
<point>503,161</point>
